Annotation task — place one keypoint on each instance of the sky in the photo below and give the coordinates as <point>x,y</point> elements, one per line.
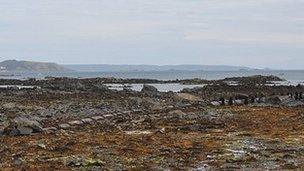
<point>254,33</point>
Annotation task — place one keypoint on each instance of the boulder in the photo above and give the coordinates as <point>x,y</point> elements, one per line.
<point>23,126</point>
<point>150,90</point>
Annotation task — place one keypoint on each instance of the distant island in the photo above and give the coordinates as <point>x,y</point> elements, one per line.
<point>14,65</point>
<point>31,66</point>
<point>147,68</point>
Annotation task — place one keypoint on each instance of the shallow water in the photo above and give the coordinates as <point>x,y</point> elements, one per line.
<point>17,86</point>
<point>293,76</point>
<point>161,87</point>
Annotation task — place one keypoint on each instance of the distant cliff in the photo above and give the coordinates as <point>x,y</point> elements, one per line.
<point>14,65</point>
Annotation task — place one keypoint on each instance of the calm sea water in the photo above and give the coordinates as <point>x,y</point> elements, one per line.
<point>291,77</point>
<point>295,75</point>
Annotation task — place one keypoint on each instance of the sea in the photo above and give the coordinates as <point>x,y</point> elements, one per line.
<point>292,77</point>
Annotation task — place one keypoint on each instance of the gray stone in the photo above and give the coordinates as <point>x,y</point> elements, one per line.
<point>23,126</point>
<point>9,105</point>
<point>64,126</point>
<point>76,122</point>
<point>25,130</point>
<point>87,120</point>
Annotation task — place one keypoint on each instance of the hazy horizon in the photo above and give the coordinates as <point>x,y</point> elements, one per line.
<point>256,34</point>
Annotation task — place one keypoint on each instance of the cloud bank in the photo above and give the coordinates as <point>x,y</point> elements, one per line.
<point>264,33</point>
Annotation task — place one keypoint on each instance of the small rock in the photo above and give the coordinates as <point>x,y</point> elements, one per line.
<point>76,122</point>
<point>64,126</point>
<point>41,145</point>
<point>215,103</point>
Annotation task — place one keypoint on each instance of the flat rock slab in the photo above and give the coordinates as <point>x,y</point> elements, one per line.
<point>108,115</point>
<point>25,130</point>
<point>96,118</point>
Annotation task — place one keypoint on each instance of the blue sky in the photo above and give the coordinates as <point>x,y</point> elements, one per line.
<point>255,33</point>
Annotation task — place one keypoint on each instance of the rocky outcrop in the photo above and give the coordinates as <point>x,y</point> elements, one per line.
<point>23,126</point>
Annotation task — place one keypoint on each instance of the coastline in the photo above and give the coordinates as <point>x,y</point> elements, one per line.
<point>83,124</point>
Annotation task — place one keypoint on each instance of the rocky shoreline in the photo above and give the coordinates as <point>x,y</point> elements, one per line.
<point>74,124</point>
